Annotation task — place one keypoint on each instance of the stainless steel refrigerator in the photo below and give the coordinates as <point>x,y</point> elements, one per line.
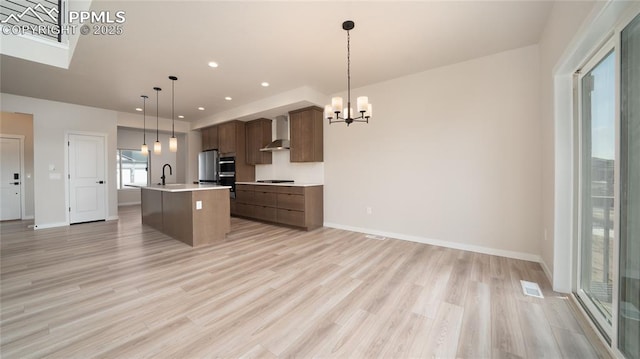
<point>208,167</point>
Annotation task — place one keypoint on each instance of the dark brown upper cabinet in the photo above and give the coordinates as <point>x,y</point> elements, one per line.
<point>306,135</point>
<point>258,136</point>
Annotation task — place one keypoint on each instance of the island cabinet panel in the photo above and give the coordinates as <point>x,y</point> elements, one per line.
<point>296,206</point>
<point>306,135</point>
<point>258,136</point>
<point>213,221</point>
<point>196,218</point>
<point>177,218</point>
<point>152,208</point>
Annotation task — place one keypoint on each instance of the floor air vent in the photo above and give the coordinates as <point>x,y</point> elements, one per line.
<point>373,236</point>
<point>531,289</point>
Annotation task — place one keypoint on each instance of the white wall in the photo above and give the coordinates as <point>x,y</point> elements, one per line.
<point>51,123</point>
<point>451,156</point>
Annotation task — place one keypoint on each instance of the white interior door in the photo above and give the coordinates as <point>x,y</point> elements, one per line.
<point>86,178</point>
<point>10,194</point>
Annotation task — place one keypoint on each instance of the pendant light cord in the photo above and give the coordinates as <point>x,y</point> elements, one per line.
<point>157,121</point>
<point>348,75</point>
<point>172,111</point>
<point>144,120</point>
<point>144,149</point>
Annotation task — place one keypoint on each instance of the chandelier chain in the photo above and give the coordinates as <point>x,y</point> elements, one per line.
<point>337,110</point>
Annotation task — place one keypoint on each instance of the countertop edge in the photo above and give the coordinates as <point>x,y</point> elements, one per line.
<point>286,184</point>
<point>187,188</point>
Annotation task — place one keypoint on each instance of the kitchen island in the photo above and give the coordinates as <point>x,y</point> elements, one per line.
<point>191,213</point>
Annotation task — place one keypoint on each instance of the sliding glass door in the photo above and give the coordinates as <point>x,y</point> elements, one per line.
<point>597,181</point>
<point>629,289</point>
<point>608,265</point>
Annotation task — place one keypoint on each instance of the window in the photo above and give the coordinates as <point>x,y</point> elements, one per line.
<point>132,167</point>
<point>597,197</point>
<point>629,269</point>
<point>608,265</point>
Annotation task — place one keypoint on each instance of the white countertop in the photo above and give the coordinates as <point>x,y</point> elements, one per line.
<point>183,187</point>
<point>286,184</point>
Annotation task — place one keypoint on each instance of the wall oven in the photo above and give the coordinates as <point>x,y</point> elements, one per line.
<point>227,173</point>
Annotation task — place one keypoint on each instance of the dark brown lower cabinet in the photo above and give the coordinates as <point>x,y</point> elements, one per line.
<point>295,206</point>
<point>265,213</point>
<point>291,217</point>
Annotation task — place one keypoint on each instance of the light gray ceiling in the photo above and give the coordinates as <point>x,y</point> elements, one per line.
<point>290,44</point>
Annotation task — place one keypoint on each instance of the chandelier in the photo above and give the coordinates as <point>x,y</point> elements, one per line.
<point>335,112</point>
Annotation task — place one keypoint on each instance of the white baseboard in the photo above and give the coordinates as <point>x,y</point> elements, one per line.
<point>26,218</point>
<point>128,203</point>
<point>64,224</point>
<point>50,225</point>
<point>441,243</point>
<point>546,270</point>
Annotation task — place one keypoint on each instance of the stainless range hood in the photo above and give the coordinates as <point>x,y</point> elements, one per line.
<point>282,135</point>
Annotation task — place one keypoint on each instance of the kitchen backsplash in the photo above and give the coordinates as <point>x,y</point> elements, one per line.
<point>281,168</point>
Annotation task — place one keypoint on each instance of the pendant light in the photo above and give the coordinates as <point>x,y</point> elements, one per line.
<point>157,147</point>
<point>346,114</point>
<point>173,141</point>
<point>144,149</point>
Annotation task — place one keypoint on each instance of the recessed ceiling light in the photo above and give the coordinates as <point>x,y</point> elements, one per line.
<point>213,64</point>
<point>138,109</point>
<point>180,116</point>
<point>228,98</point>
<point>265,84</point>
<point>201,108</point>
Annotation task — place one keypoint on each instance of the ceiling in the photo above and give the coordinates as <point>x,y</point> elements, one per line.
<point>290,44</point>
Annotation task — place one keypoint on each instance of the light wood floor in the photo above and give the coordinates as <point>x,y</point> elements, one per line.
<point>122,290</point>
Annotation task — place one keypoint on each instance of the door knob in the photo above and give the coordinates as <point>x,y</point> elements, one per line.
<point>15,183</point>
<point>100,182</point>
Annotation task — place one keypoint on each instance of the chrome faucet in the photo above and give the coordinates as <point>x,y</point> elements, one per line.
<point>163,175</point>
